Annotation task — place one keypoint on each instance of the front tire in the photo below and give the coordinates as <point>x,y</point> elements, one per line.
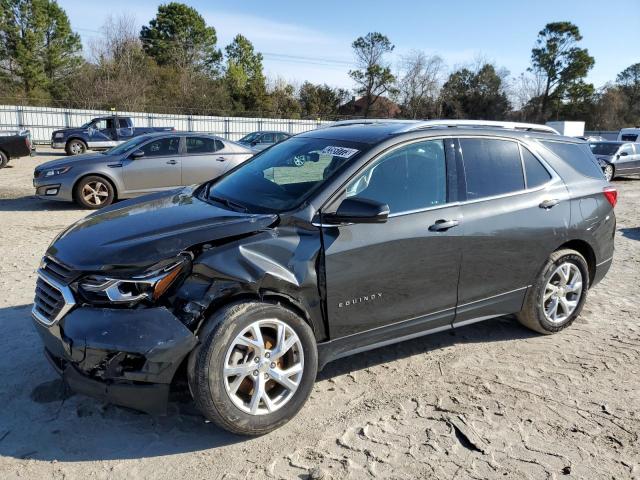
<point>255,369</point>
<point>557,297</point>
<point>75,147</point>
<point>3,159</point>
<point>94,192</point>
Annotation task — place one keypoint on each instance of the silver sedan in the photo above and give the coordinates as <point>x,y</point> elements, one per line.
<point>145,164</point>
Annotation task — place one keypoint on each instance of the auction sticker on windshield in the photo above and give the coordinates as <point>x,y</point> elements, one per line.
<point>342,152</point>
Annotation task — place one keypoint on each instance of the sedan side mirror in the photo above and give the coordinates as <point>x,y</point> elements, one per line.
<point>358,210</point>
<point>623,154</point>
<point>137,154</point>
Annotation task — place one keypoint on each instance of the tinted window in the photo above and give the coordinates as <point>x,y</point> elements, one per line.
<point>162,146</point>
<point>410,178</point>
<point>535,172</point>
<point>577,155</point>
<point>203,145</point>
<point>280,137</point>
<point>267,138</point>
<point>283,176</point>
<point>123,123</point>
<point>604,148</point>
<point>629,137</point>
<point>492,167</point>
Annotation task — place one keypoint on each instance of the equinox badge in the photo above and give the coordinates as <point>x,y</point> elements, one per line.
<point>364,298</point>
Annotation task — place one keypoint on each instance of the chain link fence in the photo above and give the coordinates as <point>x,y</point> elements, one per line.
<point>42,121</point>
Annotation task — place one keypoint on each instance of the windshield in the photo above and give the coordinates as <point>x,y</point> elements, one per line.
<point>126,146</point>
<point>86,125</point>
<point>604,148</point>
<point>284,176</point>
<point>249,138</point>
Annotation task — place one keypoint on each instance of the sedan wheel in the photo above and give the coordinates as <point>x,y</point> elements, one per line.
<point>608,172</point>
<point>94,192</point>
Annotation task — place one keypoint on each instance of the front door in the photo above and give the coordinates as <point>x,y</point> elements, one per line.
<point>102,134</point>
<point>402,274</point>
<point>158,169</point>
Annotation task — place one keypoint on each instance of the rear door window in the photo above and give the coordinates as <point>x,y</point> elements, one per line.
<point>267,138</point>
<point>202,145</point>
<point>535,172</point>
<point>577,155</point>
<point>492,167</point>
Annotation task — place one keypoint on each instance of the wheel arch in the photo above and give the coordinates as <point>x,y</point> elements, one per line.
<point>265,296</point>
<point>584,249</point>
<point>75,137</point>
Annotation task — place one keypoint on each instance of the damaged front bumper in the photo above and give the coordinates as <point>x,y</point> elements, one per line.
<point>122,356</point>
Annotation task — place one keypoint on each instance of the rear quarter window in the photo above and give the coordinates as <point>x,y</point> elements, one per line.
<point>578,156</point>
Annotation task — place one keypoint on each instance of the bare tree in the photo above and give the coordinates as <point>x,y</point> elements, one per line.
<point>420,78</point>
<point>524,88</point>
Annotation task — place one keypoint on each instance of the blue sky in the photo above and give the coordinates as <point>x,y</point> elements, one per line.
<point>304,40</point>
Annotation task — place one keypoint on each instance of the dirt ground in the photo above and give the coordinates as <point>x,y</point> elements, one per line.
<point>491,400</point>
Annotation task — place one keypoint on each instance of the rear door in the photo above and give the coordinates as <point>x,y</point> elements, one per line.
<point>402,274</point>
<point>205,158</point>
<point>516,211</point>
<point>158,169</point>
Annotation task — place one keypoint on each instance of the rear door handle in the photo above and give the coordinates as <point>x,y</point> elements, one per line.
<point>221,159</point>
<point>171,162</point>
<point>547,204</point>
<point>443,225</point>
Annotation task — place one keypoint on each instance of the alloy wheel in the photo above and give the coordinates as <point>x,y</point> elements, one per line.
<point>95,193</point>
<point>76,148</point>
<point>562,293</point>
<point>263,367</point>
<point>608,172</point>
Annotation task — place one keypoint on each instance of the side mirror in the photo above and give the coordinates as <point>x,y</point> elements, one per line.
<point>358,210</point>
<point>623,154</point>
<point>137,154</point>
<point>254,143</point>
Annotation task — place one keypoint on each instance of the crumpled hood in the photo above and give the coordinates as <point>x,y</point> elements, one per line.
<point>138,233</point>
<point>74,160</point>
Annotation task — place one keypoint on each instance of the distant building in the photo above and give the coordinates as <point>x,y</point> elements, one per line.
<point>382,108</point>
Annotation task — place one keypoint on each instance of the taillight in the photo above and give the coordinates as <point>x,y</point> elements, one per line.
<point>611,194</point>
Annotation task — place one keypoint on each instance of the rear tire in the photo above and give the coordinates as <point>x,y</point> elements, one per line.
<point>75,147</point>
<point>3,159</point>
<point>563,283</point>
<point>264,394</point>
<point>609,172</point>
<point>94,192</point>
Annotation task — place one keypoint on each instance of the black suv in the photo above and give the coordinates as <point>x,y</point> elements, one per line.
<point>252,282</point>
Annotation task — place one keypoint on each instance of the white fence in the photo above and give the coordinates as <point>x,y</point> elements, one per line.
<point>42,121</point>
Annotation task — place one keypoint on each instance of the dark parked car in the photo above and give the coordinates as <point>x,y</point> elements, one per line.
<point>14,144</point>
<point>263,139</point>
<point>617,158</point>
<point>100,134</point>
<point>253,282</point>
<point>145,164</point>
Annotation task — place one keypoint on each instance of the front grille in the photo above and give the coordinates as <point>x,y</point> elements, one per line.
<point>57,270</point>
<point>48,302</point>
<point>53,299</point>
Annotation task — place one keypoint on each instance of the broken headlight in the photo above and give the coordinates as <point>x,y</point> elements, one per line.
<point>149,286</point>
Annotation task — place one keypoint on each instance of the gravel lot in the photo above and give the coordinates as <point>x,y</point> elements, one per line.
<point>491,400</point>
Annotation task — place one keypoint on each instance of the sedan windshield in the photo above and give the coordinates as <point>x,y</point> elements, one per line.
<point>249,138</point>
<point>604,148</point>
<point>284,176</point>
<point>126,146</point>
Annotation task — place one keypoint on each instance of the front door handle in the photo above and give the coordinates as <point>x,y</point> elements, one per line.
<point>443,225</point>
<point>171,162</point>
<point>221,159</point>
<point>547,204</point>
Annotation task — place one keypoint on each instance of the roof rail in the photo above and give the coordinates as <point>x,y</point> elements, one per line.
<point>411,125</point>
<point>528,127</point>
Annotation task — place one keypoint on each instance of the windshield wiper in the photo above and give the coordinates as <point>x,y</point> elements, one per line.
<point>229,203</point>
